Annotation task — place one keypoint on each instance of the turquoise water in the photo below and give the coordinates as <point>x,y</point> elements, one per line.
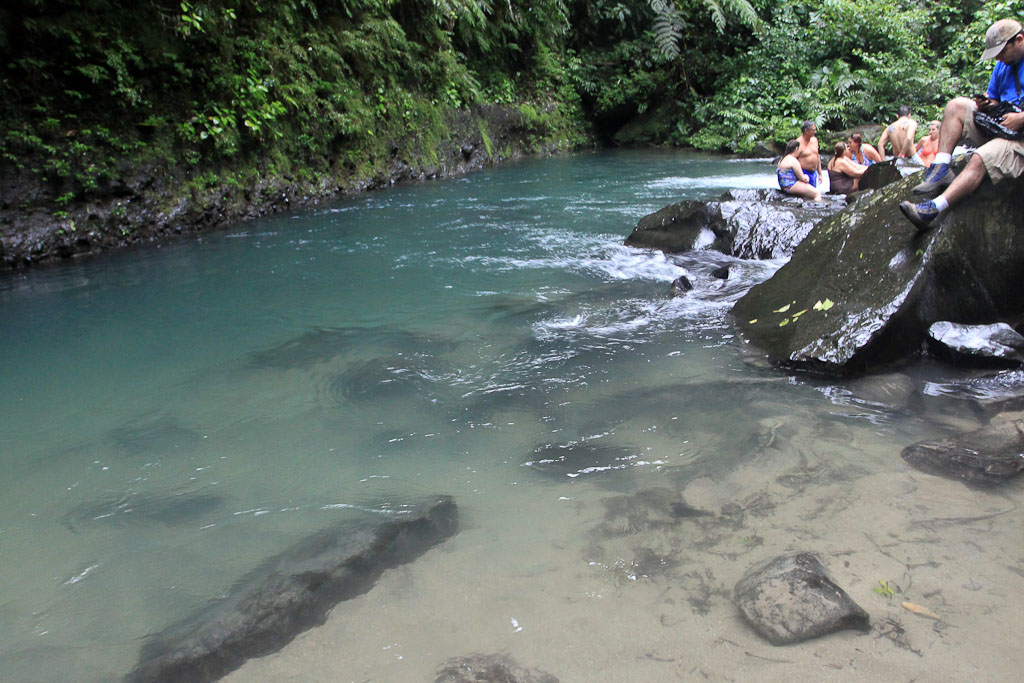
<point>174,415</point>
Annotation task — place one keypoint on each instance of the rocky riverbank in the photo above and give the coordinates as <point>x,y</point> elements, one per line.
<point>152,203</point>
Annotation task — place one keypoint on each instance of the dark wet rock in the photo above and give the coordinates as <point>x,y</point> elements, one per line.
<point>864,286</point>
<point>790,599</point>
<point>576,458</point>
<point>721,273</point>
<point>985,457</point>
<point>486,668</point>
<point>879,175</point>
<point>681,285</point>
<point>289,594</point>
<point>654,508</point>
<point>765,149</point>
<point>134,507</point>
<point>743,223</point>
<point>997,342</point>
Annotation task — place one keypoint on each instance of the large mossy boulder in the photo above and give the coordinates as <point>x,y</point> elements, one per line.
<point>864,285</point>
<point>743,223</point>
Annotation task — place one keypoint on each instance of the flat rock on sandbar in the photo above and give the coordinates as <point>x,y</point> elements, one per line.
<point>982,458</point>
<point>864,286</point>
<point>290,593</point>
<point>790,599</point>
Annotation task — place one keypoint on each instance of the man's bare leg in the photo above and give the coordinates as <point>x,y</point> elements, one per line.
<point>923,215</point>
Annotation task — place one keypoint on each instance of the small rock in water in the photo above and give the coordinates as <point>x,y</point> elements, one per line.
<point>480,668</point>
<point>985,457</point>
<point>894,389</point>
<point>721,273</point>
<point>997,341</point>
<point>791,598</point>
<point>681,285</point>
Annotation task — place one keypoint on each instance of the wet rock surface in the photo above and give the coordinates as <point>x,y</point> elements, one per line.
<point>489,668</point>
<point>790,599</point>
<point>982,458</point>
<point>743,223</point>
<point>879,175</point>
<point>996,342</point>
<point>288,594</point>
<point>864,286</point>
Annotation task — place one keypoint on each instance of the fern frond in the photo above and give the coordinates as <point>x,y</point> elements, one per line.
<point>717,14</point>
<point>743,11</point>
<point>668,27</point>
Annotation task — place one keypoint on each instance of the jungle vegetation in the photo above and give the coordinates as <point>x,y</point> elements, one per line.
<point>90,89</point>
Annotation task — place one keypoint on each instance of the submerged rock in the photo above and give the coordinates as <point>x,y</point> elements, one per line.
<point>743,223</point>
<point>170,509</point>
<point>790,599</point>
<point>480,668</point>
<point>997,341</point>
<point>290,593</point>
<point>985,457</point>
<point>864,286</point>
<point>644,510</point>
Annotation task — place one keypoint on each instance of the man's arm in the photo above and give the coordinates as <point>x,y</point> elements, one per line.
<point>911,134</point>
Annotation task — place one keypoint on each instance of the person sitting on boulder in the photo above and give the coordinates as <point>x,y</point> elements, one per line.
<point>999,158</point>
<point>928,146</point>
<point>843,172</point>
<point>792,178</point>
<point>900,134</point>
<point>862,152</point>
<point>807,154</point>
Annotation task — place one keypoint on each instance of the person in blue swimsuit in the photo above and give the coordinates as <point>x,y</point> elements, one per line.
<point>792,179</point>
<point>863,153</point>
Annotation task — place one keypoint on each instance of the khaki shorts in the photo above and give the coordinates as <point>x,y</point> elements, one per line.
<point>1002,158</point>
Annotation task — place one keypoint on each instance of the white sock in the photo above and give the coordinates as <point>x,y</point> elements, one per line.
<point>940,203</point>
<point>942,158</point>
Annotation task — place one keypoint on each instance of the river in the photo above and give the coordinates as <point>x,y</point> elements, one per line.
<point>174,415</point>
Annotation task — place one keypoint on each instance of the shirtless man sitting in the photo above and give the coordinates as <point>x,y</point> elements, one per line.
<point>807,153</point>
<point>901,135</point>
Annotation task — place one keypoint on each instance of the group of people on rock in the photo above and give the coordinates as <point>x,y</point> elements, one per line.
<point>800,167</point>
<point>998,154</point>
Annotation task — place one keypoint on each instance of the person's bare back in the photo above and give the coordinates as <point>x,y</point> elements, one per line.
<point>901,134</point>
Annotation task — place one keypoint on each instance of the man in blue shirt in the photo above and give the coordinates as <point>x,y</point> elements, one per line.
<point>998,158</point>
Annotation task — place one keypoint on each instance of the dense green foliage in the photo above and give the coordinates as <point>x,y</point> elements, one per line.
<point>286,88</point>
<point>93,89</point>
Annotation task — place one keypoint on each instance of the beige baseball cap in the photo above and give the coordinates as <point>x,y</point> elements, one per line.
<point>997,35</point>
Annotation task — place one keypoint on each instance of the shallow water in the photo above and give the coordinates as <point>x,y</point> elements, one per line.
<point>173,416</point>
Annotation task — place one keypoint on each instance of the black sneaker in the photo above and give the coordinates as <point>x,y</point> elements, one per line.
<point>936,179</point>
<point>922,215</point>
